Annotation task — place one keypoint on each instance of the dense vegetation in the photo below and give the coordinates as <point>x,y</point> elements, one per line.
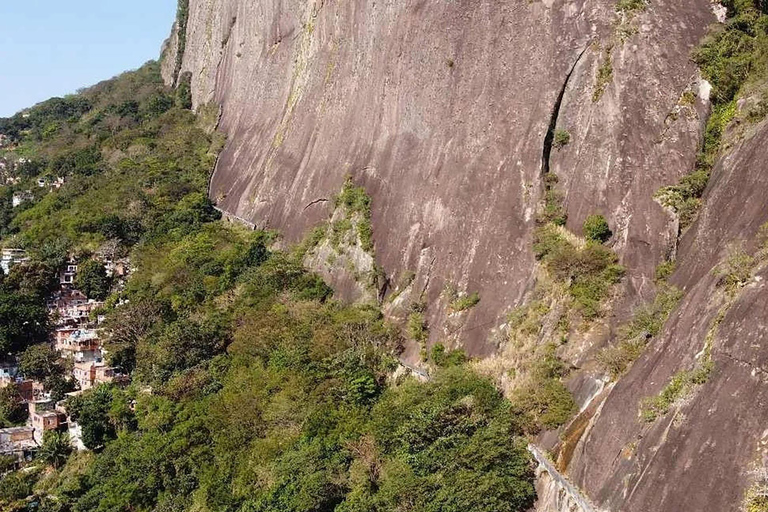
<point>252,389</point>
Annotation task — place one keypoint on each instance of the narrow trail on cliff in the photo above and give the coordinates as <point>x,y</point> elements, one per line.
<point>573,493</point>
<point>549,139</point>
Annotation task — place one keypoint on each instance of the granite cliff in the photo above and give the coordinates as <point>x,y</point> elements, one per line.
<point>445,113</point>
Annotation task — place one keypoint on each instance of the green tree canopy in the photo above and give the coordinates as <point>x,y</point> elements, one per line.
<point>23,320</point>
<point>92,280</point>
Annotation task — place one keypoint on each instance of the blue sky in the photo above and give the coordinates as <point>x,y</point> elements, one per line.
<point>54,47</point>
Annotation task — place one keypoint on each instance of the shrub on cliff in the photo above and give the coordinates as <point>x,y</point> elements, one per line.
<point>596,229</point>
<point>589,271</point>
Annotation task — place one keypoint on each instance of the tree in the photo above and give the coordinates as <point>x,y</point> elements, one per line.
<point>33,278</point>
<point>596,229</point>
<point>92,280</point>
<point>126,326</point>
<point>56,448</point>
<point>91,411</point>
<point>23,320</point>
<point>13,410</point>
<point>39,362</point>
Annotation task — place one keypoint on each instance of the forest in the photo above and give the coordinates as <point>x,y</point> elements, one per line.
<point>251,387</point>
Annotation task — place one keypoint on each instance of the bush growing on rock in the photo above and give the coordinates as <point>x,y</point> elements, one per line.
<point>596,229</point>
<point>562,138</point>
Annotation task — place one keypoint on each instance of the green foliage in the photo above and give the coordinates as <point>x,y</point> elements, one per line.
<point>23,319</point>
<point>55,449</point>
<point>92,411</point>
<point>589,272</point>
<point>732,58</point>
<point>631,6</point>
<point>182,19</point>
<point>646,323</point>
<point>14,489</point>
<point>184,91</point>
<point>554,211</point>
<point>252,389</point>
<point>446,358</point>
<point>605,70</point>
<point>736,269</point>
<point>417,327</point>
<point>685,197</point>
<point>736,53</point>
<point>596,229</point>
<point>756,499</point>
<point>665,270</point>
<point>562,138</point>
<point>357,206</point>
<point>543,402</point>
<point>92,280</point>
<point>678,388</point>
<point>13,409</point>
<point>465,302</point>
<point>43,364</point>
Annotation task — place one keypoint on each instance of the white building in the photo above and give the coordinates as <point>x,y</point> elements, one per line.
<point>11,257</point>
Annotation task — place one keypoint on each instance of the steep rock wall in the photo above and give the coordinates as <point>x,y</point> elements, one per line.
<point>440,110</point>
<point>712,441</point>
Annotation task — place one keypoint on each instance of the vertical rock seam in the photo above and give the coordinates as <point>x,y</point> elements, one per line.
<point>549,139</point>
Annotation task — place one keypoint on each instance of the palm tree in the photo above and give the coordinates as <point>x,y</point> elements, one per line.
<point>56,448</point>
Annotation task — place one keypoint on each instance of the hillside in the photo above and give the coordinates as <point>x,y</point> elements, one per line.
<point>416,256</point>
<point>225,376</point>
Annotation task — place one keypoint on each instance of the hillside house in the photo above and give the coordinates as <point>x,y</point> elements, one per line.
<point>8,373</point>
<point>91,374</point>
<point>68,273</point>
<point>72,308</point>
<point>11,257</point>
<point>18,442</point>
<point>43,417</point>
<point>80,345</point>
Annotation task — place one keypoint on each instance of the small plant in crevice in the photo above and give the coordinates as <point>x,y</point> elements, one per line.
<point>554,211</point>
<point>444,358</point>
<point>465,302</point>
<point>664,270</point>
<point>604,74</point>
<point>458,302</point>
<point>357,205</point>
<point>756,496</point>
<point>733,60</point>
<point>681,384</point>
<point>596,229</point>
<point>562,138</point>
<point>646,323</point>
<point>735,270</point>
<point>416,325</point>
<point>684,198</point>
<point>631,6</point>
<point>733,273</point>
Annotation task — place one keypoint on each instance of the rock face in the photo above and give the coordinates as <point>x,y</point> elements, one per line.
<point>441,111</point>
<point>712,442</point>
